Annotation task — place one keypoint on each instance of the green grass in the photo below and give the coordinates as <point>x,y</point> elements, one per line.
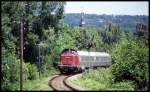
<point>102,79</point>
<point>39,84</point>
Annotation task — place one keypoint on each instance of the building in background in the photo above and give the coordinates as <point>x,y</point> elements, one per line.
<point>82,22</point>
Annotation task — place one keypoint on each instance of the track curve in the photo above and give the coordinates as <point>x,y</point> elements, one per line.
<point>58,83</point>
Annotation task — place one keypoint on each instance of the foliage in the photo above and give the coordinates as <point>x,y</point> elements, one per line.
<point>110,35</point>
<point>102,79</point>
<point>131,62</point>
<point>38,84</point>
<point>48,66</point>
<point>10,70</point>
<point>142,32</point>
<point>122,86</point>
<point>32,71</point>
<point>93,35</point>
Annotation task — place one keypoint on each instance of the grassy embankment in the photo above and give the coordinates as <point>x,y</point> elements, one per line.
<point>41,84</point>
<point>102,79</point>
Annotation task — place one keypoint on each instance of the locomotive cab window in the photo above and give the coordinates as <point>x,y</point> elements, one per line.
<point>74,52</point>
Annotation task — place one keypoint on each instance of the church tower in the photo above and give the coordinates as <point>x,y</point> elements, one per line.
<point>82,23</point>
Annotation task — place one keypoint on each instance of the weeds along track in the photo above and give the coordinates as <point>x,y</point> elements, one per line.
<point>58,83</point>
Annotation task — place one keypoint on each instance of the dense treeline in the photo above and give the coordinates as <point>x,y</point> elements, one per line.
<point>127,22</point>
<point>45,30</point>
<point>37,17</point>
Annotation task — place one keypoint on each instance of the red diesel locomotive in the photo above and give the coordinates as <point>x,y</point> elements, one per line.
<point>74,61</point>
<point>69,61</point>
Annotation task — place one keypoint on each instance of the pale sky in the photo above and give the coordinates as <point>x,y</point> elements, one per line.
<point>109,7</point>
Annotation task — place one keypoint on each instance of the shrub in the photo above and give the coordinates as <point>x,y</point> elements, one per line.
<point>10,71</point>
<point>131,62</point>
<point>32,71</point>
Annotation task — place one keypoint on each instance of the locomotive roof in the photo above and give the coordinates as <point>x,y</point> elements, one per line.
<point>86,53</point>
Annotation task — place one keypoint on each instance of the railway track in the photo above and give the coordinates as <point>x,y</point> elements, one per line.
<point>58,83</point>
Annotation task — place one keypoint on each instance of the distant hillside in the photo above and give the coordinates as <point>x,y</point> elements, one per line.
<point>125,21</point>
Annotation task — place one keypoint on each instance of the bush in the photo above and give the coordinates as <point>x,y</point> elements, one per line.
<point>48,67</point>
<point>101,75</point>
<point>131,62</point>
<point>32,71</point>
<point>10,71</point>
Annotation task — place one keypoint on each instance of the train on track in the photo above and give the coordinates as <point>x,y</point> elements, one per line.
<point>72,60</point>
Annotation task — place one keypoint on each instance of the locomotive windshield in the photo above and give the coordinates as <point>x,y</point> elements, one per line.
<point>71,50</point>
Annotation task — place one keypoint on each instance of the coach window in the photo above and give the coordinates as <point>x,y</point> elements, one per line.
<point>97,58</point>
